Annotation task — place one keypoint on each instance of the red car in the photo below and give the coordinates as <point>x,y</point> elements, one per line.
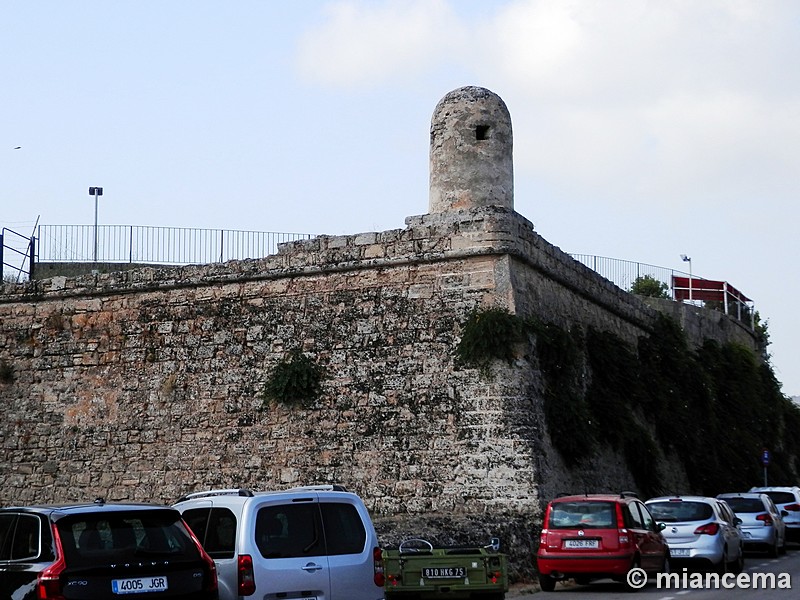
<point>599,536</point>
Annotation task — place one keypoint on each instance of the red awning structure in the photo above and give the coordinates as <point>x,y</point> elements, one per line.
<point>706,290</point>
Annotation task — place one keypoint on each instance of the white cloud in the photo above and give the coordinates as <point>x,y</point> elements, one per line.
<point>369,43</point>
<point>672,100</point>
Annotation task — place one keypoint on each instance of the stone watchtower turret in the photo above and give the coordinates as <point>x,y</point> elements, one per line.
<point>471,162</point>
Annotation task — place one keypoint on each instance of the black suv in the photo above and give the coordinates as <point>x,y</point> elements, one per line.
<point>100,550</point>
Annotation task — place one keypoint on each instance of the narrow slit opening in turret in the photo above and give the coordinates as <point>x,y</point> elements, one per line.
<point>481,132</point>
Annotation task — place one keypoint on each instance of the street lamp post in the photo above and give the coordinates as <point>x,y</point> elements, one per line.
<point>95,191</point>
<point>689,260</point>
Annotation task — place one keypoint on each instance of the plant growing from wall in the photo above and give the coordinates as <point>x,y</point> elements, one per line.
<point>296,378</point>
<point>489,334</point>
<point>649,286</point>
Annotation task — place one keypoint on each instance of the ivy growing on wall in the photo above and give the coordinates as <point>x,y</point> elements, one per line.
<point>296,378</point>
<point>712,409</point>
<point>489,334</point>
<point>566,411</point>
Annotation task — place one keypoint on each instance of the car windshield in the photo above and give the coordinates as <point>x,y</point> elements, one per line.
<point>91,538</point>
<point>582,514</point>
<point>679,511</point>
<point>745,505</point>
<point>781,497</point>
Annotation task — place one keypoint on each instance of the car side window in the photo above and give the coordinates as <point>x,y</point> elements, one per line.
<point>726,513</point>
<point>771,505</point>
<point>633,519</point>
<point>7,521</point>
<point>344,530</point>
<point>290,531</point>
<point>197,520</point>
<point>19,537</point>
<point>215,528</point>
<point>647,519</point>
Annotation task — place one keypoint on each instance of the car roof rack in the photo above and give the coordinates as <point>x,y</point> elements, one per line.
<point>323,487</point>
<point>211,493</point>
<point>628,495</point>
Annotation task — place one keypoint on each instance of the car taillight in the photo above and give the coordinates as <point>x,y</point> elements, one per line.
<point>247,580</point>
<point>623,534</point>
<point>792,507</point>
<point>377,561</point>
<point>766,517</point>
<point>707,529</point>
<point>543,538</point>
<point>624,538</point>
<point>48,584</point>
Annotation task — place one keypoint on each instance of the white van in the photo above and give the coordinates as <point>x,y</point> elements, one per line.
<point>306,543</point>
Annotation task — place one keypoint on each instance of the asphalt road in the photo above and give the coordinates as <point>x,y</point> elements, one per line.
<point>754,564</point>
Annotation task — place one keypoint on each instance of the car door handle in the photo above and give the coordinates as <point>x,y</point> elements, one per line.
<point>311,567</point>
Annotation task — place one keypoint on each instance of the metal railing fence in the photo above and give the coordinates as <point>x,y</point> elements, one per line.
<point>623,273</point>
<point>155,245</point>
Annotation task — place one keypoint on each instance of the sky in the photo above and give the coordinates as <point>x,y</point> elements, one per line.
<point>643,129</point>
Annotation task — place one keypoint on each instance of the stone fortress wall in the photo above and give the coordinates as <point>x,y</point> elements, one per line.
<point>147,384</point>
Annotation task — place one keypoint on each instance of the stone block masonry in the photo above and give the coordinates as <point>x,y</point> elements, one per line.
<point>147,384</point>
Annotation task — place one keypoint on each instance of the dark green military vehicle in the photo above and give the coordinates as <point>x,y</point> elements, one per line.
<point>418,571</point>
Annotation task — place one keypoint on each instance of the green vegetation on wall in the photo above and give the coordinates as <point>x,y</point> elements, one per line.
<point>295,379</point>
<point>649,286</point>
<point>713,409</point>
<point>489,334</point>
<point>565,404</point>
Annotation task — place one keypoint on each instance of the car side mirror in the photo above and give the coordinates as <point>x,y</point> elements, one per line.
<point>784,513</point>
<point>662,526</point>
<point>737,521</point>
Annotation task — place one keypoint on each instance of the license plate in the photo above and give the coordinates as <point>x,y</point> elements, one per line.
<point>444,572</point>
<point>679,552</point>
<point>139,585</point>
<point>581,543</point>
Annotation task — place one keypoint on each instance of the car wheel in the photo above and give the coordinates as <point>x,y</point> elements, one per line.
<point>547,583</point>
<point>774,549</point>
<point>628,587</point>
<point>665,564</point>
<point>737,566</point>
<point>722,567</point>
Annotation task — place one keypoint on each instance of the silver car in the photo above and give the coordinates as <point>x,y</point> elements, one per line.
<point>762,523</point>
<point>700,531</point>
<point>307,542</point>
<point>786,498</point>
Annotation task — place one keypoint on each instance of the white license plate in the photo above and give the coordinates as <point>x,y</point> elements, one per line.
<point>581,543</point>
<point>678,552</point>
<point>139,585</point>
